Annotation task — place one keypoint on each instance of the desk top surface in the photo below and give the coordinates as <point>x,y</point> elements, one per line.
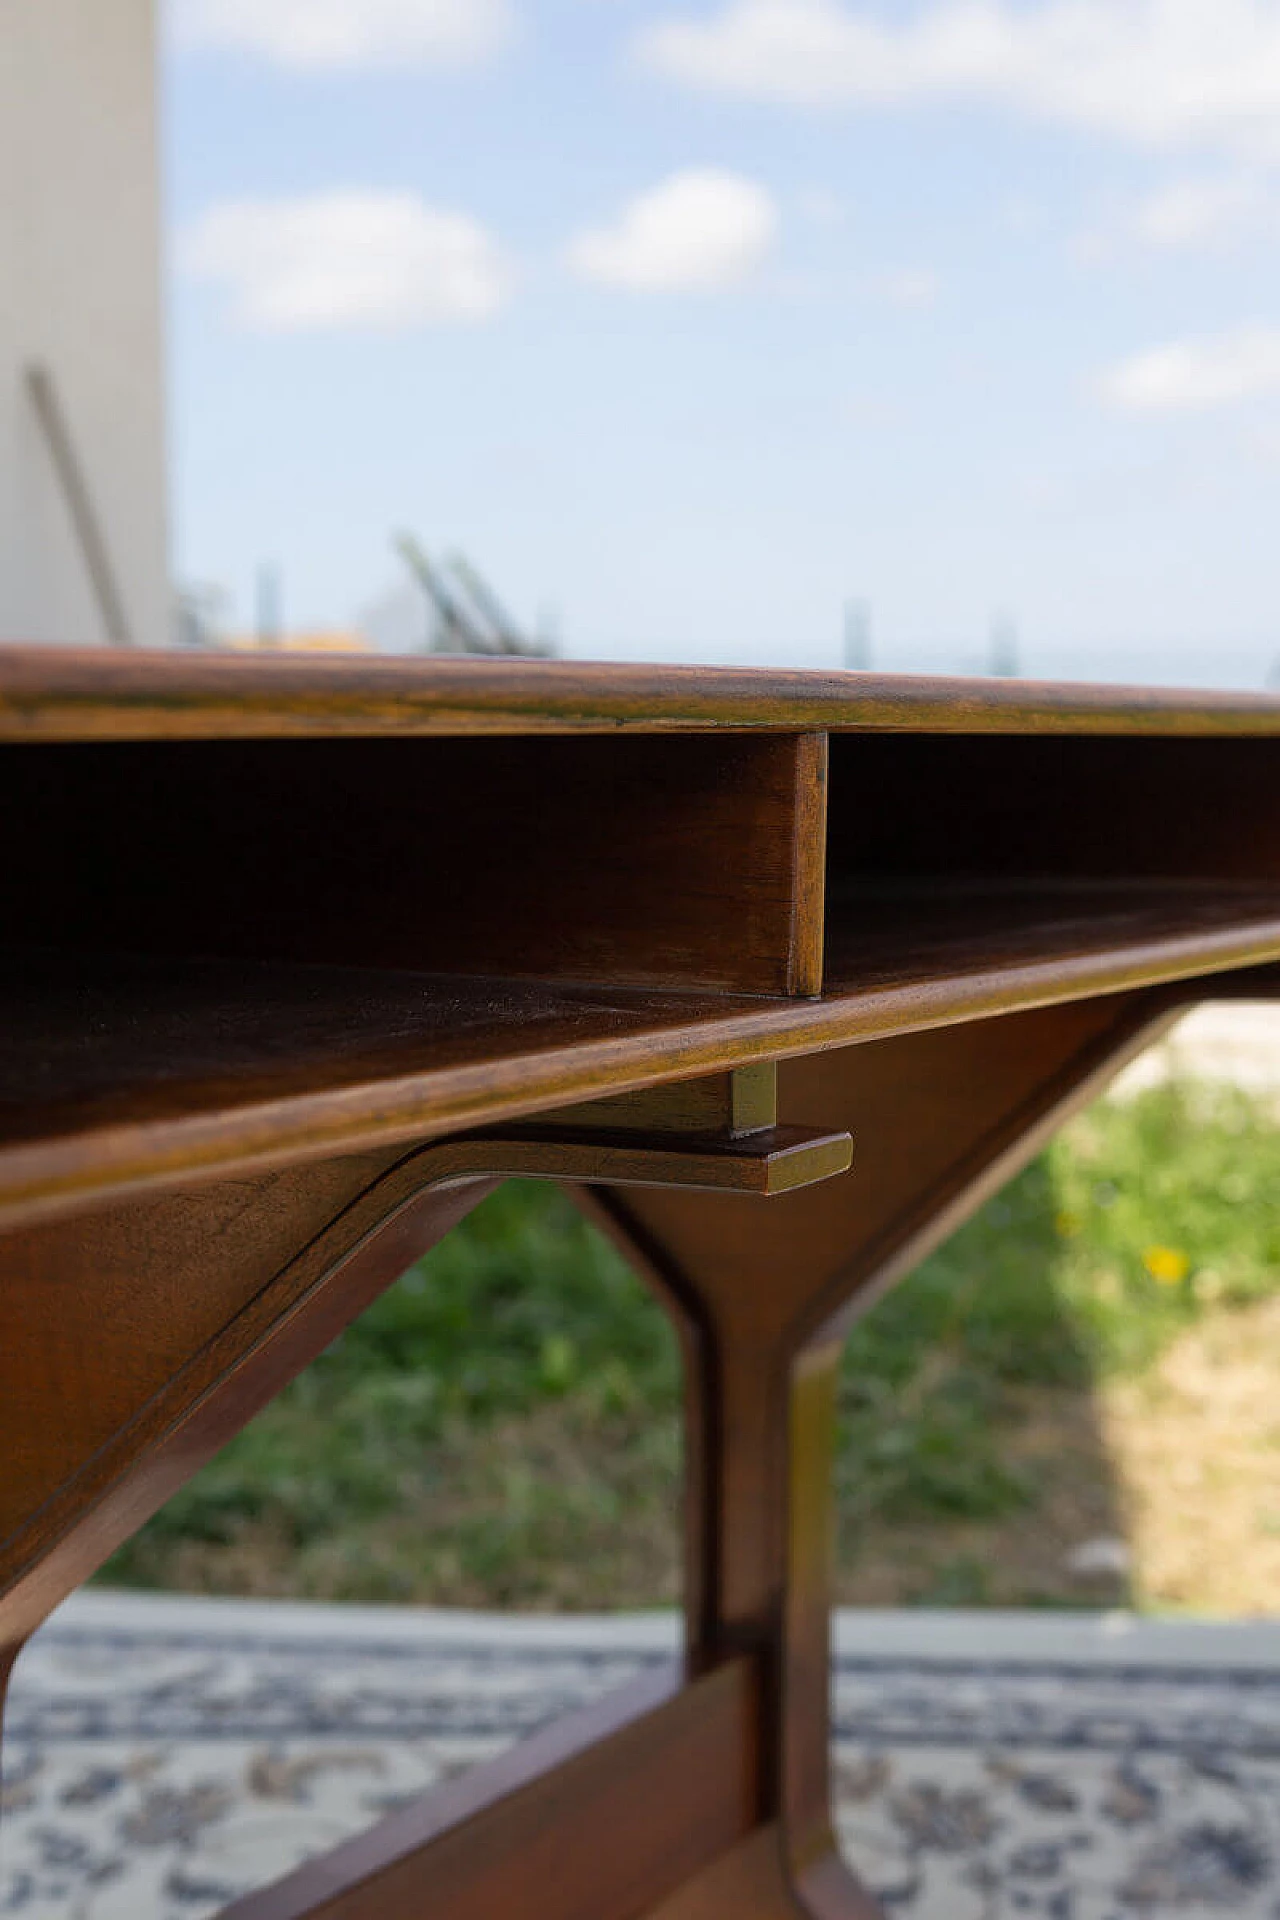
<point>54,693</point>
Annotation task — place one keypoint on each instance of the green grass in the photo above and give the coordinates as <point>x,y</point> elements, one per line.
<point>1138,1218</point>
<point>503,1424</point>
<point>439,1445</point>
<point>1185,1171</point>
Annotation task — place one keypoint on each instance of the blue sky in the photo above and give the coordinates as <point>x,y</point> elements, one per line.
<point>692,320</point>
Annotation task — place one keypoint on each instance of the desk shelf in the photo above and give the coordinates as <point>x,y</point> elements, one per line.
<point>935,935</point>
<point>119,1073</point>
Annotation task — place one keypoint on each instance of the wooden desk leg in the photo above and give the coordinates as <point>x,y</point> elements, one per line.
<point>142,1337</point>
<point>713,1794</point>
<point>135,1341</point>
<point>940,1120</point>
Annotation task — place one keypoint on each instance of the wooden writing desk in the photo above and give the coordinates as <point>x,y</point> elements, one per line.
<point>300,958</point>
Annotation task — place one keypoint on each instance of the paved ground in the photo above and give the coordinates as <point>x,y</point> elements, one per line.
<point>166,1754</point>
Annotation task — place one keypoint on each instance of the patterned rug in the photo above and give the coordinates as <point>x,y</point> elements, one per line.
<point>164,1756</point>
<point>980,1790</point>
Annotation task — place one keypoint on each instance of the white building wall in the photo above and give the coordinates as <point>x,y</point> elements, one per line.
<point>80,293</point>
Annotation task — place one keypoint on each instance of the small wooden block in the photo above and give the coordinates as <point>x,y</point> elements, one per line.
<point>742,1101</point>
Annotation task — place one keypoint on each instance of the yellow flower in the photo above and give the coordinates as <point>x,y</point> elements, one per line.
<point>1066,1225</point>
<point>1166,1265</point>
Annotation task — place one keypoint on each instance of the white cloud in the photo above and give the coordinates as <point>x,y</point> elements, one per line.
<point>348,260</point>
<point>694,232</point>
<point>322,34</point>
<point>1192,374</point>
<point>1155,72</point>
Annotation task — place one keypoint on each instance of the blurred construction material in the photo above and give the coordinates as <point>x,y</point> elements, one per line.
<point>465,614</point>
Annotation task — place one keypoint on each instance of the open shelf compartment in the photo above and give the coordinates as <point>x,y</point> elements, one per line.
<point>984,855</point>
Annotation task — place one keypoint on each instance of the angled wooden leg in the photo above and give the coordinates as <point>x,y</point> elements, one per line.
<point>707,1795</point>
<point>940,1119</point>
<point>177,1322</point>
<point>737,1755</point>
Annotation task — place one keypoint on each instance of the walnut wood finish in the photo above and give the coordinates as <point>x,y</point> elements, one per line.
<point>292,931</point>
<point>942,1119</point>
<point>663,1777</point>
<point>50,694</point>
<point>622,860</point>
<point>231,1335</point>
<point>122,1076</point>
<point>743,1100</point>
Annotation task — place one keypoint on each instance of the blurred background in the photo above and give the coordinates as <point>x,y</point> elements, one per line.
<point>933,337</point>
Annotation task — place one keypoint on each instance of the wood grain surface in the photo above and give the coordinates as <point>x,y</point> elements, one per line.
<point>123,1076</point>
<point>282,933</point>
<point>946,1117</point>
<point>55,693</point>
<point>642,860</point>
<point>595,1819</point>
<point>165,1367</point>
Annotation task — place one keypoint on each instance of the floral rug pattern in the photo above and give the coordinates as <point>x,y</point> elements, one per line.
<point>984,1792</point>
<point>161,1774</point>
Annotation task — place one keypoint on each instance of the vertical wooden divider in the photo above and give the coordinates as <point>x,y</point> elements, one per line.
<point>809,863</point>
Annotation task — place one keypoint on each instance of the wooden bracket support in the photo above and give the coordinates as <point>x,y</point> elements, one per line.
<point>775,1161</point>
<point>717,1134</point>
<point>720,1136</point>
<point>741,1100</point>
